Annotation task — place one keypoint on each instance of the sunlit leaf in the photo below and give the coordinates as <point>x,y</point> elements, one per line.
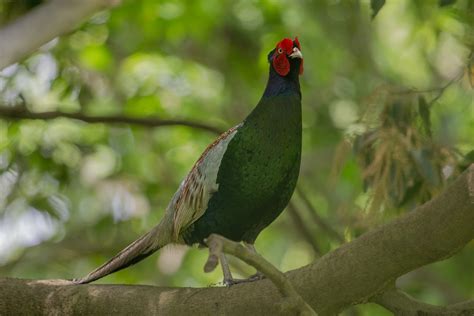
<point>96,57</point>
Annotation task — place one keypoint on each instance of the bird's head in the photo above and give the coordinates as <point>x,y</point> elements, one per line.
<point>286,58</point>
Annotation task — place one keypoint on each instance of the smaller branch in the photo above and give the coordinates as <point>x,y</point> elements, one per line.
<point>318,219</point>
<point>302,228</point>
<point>17,113</point>
<point>470,69</point>
<point>440,90</point>
<point>401,303</point>
<point>218,244</point>
<point>447,85</point>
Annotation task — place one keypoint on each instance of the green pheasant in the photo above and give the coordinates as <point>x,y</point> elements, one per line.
<point>242,181</point>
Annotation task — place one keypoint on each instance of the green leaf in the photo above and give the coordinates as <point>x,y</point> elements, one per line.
<point>469,157</point>
<point>42,204</point>
<point>443,3</point>
<point>376,5</point>
<point>96,57</point>
<point>411,193</point>
<point>424,111</point>
<point>467,161</point>
<point>423,159</point>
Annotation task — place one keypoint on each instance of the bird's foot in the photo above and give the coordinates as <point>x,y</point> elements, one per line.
<point>256,277</point>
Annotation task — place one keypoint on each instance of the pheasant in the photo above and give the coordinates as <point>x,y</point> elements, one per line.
<point>242,181</point>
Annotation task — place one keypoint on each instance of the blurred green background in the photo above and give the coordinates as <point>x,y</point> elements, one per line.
<point>388,120</point>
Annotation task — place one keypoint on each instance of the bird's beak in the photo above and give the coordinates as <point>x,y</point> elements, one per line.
<point>296,53</point>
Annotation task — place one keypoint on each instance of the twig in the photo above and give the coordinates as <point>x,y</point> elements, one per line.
<point>302,229</point>
<point>401,303</point>
<point>17,113</point>
<point>318,219</point>
<point>443,88</point>
<point>218,244</point>
<point>440,90</point>
<point>470,69</point>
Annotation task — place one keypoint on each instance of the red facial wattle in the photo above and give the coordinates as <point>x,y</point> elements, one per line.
<point>284,48</point>
<point>281,64</point>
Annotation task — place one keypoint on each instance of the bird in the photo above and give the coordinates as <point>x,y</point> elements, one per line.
<point>242,181</point>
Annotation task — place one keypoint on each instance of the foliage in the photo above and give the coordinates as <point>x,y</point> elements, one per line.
<point>399,159</point>
<point>397,88</point>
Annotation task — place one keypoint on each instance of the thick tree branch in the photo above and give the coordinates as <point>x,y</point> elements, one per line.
<point>16,113</point>
<point>354,273</point>
<point>42,24</point>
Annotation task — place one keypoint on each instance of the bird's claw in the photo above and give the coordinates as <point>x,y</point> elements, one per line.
<point>256,277</point>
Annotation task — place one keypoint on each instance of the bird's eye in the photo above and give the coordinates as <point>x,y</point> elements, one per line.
<point>280,50</point>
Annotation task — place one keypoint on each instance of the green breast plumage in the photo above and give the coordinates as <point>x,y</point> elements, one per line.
<point>257,174</point>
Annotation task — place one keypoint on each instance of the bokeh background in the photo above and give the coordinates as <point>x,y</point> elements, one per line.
<point>388,121</point>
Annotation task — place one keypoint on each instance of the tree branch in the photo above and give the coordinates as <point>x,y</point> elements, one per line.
<point>302,228</point>
<point>42,24</point>
<point>318,220</point>
<point>440,90</point>
<point>218,244</point>
<point>401,303</point>
<point>354,273</point>
<point>16,113</point>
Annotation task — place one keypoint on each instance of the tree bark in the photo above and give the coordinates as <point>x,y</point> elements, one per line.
<point>357,272</point>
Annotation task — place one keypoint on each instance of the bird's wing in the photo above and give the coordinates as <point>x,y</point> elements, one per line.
<point>190,201</point>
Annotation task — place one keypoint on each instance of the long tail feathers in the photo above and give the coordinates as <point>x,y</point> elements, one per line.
<point>133,253</point>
